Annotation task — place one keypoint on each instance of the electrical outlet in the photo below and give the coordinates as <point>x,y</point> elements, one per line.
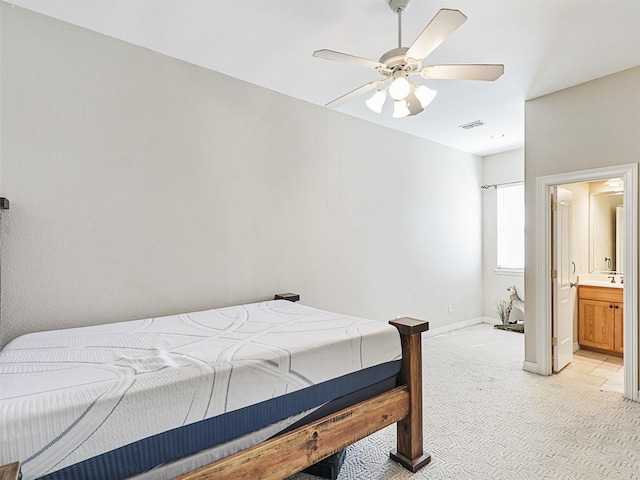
<point>450,309</point>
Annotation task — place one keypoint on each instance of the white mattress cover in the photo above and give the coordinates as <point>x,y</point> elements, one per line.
<point>69,395</point>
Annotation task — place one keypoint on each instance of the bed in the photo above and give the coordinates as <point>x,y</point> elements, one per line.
<point>261,390</point>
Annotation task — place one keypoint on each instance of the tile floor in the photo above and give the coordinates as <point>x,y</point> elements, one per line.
<point>597,369</point>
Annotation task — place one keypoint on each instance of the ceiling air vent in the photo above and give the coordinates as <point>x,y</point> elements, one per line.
<point>470,125</point>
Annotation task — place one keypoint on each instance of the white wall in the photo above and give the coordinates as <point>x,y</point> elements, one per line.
<point>588,126</point>
<point>141,186</point>
<point>497,169</point>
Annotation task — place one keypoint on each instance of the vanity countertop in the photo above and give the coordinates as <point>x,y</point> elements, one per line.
<point>600,283</point>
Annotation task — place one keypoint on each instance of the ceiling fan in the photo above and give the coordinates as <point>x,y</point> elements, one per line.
<point>398,64</point>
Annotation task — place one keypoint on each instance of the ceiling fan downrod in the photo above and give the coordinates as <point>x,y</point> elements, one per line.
<point>399,28</point>
<point>398,7</point>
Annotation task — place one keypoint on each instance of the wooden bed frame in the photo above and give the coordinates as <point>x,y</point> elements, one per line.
<point>10,471</point>
<point>289,453</point>
<point>292,452</point>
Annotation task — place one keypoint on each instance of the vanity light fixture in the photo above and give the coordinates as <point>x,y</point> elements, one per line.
<point>614,182</point>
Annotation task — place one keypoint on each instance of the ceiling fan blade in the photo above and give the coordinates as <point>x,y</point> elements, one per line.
<point>441,26</point>
<point>463,72</point>
<point>354,93</point>
<point>344,57</point>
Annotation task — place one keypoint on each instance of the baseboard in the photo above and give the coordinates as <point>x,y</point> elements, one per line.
<point>576,346</point>
<point>491,321</point>
<point>453,326</point>
<point>531,367</point>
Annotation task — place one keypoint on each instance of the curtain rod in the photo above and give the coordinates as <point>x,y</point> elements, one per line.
<point>496,185</point>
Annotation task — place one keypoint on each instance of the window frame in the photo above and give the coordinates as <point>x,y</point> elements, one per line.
<point>507,269</point>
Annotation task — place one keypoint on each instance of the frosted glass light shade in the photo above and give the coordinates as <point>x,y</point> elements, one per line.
<point>376,101</point>
<point>413,104</point>
<point>400,88</point>
<point>425,95</point>
<point>400,109</point>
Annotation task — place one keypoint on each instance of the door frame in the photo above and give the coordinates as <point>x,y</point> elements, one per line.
<point>629,173</point>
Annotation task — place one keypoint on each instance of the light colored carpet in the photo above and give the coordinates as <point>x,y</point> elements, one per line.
<point>486,418</point>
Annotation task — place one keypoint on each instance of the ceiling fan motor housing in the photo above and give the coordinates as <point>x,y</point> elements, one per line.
<point>396,62</point>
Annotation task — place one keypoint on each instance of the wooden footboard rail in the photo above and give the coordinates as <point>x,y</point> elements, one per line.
<point>292,452</point>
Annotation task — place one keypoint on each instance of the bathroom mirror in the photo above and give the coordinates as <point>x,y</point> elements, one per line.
<point>605,227</point>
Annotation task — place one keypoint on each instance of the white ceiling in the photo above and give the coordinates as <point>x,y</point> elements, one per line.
<point>545,45</point>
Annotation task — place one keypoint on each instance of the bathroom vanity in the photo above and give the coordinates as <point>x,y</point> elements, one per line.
<point>600,318</point>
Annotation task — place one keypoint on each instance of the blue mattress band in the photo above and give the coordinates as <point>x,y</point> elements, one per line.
<point>343,402</point>
<point>140,456</point>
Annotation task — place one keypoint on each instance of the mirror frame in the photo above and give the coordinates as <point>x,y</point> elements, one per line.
<point>612,228</point>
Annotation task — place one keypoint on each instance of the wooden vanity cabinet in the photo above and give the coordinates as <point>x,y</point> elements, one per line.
<point>600,319</point>
<point>618,328</point>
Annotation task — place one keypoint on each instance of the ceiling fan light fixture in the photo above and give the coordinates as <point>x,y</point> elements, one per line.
<point>425,95</point>
<point>400,109</point>
<point>376,101</point>
<point>399,88</point>
<point>413,104</point>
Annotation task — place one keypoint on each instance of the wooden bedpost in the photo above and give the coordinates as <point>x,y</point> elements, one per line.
<point>409,452</point>
<point>10,471</point>
<point>292,297</point>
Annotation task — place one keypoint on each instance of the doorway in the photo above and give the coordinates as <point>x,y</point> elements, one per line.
<point>587,289</point>
<point>544,298</point>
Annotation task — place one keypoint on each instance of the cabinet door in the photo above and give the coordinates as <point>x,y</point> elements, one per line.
<point>595,324</point>
<point>618,329</point>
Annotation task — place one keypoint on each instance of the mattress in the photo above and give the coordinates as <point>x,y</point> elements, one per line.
<point>130,395</point>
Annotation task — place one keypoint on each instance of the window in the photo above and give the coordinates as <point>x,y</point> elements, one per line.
<point>510,200</point>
